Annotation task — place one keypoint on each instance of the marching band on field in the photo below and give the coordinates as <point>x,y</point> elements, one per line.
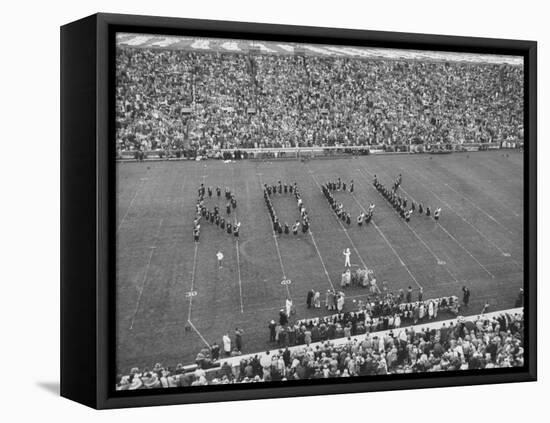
<point>214,216</point>
<point>401,204</point>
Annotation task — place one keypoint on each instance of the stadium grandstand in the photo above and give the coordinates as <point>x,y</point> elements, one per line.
<point>190,97</point>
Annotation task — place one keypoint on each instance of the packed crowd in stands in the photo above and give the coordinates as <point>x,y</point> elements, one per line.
<point>175,99</point>
<point>482,343</point>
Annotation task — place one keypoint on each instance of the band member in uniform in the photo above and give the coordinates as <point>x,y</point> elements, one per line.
<point>210,191</point>
<point>196,233</point>
<point>287,229</point>
<point>286,187</point>
<point>343,186</point>
<point>218,192</point>
<point>280,187</point>
<point>236,229</point>
<point>348,218</point>
<point>368,218</point>
<point>233,201</point>
<point>360,219</point>
<point>413,206</point>
<point>420,209</point>
<point>295,228</point>
<point>437,212</point>
<point>408,215</point>
<point>428,212</point>
<point>222,223</point>
<point>347,255</point>
<point>229,228</point>
<point>217,220</point>
<point>351,186</point>
<point>219,256</point>
<point>228,208</point>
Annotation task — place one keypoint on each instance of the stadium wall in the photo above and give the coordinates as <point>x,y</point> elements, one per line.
<point>294,153</point>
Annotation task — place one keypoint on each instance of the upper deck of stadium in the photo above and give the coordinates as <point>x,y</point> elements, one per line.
<point>220,45</point>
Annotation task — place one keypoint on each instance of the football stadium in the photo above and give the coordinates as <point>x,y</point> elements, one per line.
<point>289,211</point>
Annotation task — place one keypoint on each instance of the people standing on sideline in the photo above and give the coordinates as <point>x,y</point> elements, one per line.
<point>465,296</point>
<point>272,325</point>
<point>226,345</point>
<point>288,306</point>
<point>317,300</point>
<point>420,294</point>
<point>309,298</point>
<point>215,351</point>
<point>519,299</point>
<point>239,339</point>
<point>409,294</point>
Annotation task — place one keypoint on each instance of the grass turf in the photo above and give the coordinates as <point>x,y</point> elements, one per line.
<point>478,243</point>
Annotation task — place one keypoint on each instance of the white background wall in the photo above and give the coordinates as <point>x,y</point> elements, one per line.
<point>29,231</point>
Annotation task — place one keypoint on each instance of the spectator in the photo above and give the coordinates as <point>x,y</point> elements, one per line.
<point>226,344</point>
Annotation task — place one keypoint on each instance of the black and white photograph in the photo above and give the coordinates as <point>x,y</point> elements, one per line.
<point>291,212</point>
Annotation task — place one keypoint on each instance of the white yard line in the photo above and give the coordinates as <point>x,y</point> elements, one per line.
<point>237,245</point>
<point>130,205</point>
<point>483,211</point>
<point>239,273</point>
<point>466,250</point>
<point>338,220</point>
<point>389,245</point>
<point>500,250</point>
<point>144,282</point>
<point>198,333</point>
<point>191,291</point>
<point>401,261</point>
<point>322,261</point>
<point>451,236</point>
<point>275,240</point>
<point>435,256</point>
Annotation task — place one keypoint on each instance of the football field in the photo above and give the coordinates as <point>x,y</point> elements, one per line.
<point>165,280</point>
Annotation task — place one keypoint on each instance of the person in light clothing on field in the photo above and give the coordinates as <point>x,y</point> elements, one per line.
<point>347,255</point>
<point>219,256</point>
<point>317,300</point>
<point>226,344</point>
<point>340,302</point>
<point>288,306</point>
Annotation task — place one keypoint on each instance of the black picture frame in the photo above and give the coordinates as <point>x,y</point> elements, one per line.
<point>88,207</point>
